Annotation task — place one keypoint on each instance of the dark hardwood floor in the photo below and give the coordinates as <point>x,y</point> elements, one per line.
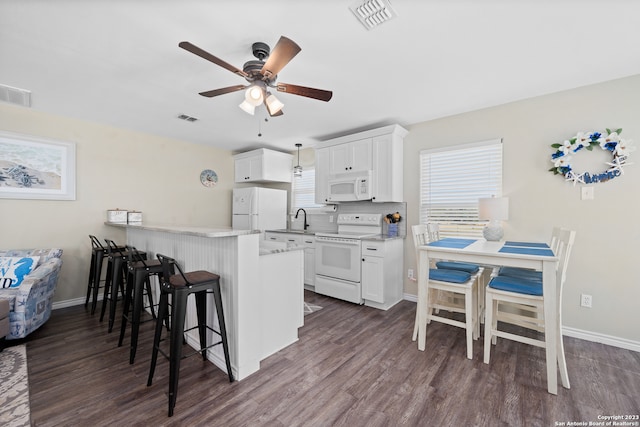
<point>353,366</point>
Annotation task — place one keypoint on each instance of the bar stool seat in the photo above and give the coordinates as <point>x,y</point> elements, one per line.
<point>139,274</point>
<point>179,287</point>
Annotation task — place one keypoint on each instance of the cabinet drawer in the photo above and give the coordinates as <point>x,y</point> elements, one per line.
<point>372,248</point>
<point>309,242</point>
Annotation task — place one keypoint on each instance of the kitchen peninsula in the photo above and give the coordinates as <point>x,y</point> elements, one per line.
<point>262,287</point>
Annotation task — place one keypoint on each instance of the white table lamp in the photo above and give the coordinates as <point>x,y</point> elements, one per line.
<point>494,209</point>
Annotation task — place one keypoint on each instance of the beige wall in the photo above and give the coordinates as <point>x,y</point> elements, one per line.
<point>160,177</point>
<point>116,168</point>
<point>605,257</point>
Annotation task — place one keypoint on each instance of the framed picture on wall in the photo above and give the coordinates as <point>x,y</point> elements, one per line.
<point>36,168</point>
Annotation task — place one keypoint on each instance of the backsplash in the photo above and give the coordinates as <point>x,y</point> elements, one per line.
<point>322,221</point>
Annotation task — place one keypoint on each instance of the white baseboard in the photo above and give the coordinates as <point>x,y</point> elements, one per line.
<point>601,338</point>
<point>70,303</point>
<point>580,334</point>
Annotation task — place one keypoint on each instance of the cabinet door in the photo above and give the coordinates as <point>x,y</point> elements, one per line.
<point>387,168</point>
<point>350,157</point>
<point>248,169</point>
<point>322,175</point>
<point>373,279</point>
<point>340,159</point>
<point>310,267</point>
<point>360,152</point>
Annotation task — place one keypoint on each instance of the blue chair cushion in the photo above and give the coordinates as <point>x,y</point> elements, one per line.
<point>517,285</point>
<point>462,266</point>
<point>452,276</point>
<point>522,273</point>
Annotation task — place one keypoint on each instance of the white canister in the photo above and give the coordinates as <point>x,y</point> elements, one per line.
<point>134,217</point>
<point>117,215</point>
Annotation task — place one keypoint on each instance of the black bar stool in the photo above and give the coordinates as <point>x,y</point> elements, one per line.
<point>138,284</point>
<point>116,270</point>
<point>98,253</point>
<point>180,286</point>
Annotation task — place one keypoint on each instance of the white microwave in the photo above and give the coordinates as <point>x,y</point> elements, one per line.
<point>350,187</point>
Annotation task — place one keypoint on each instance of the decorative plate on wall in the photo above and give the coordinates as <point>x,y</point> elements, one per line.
<point>208,178</point>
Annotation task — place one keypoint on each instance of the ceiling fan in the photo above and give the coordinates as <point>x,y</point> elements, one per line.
<point>261,76</point>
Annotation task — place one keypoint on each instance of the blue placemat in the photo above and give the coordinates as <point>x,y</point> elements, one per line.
<point>526,251</point>
<point>451,242</point>
<point>527,244</point>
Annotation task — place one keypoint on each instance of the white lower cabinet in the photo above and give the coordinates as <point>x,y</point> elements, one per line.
<point>309,244</point>
<point>382,263</point>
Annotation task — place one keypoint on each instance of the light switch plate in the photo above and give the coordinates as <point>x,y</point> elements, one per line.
<point>587,193</point>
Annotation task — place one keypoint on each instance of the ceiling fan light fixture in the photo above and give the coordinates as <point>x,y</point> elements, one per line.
<point>247,107</point>
<point>273,104</point>
<point>254,95</point>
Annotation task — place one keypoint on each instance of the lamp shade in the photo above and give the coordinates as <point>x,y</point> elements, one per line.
<point>493,208</point>
<point>273,104</point>
<point>247,107</point>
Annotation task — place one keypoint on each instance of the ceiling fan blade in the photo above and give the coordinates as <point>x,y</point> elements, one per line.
<point>309,92</point>
<point>209,57</point>
<point>282,53</point>
<point>222,91</point>
<point>278,113</point>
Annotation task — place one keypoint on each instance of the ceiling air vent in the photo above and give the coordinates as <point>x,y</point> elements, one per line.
<point>372,13</point>
<point>187,118</point>
<point>13,95</point>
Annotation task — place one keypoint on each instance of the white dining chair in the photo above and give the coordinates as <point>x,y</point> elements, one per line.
<point>448,289</point>
<point>525,273</point>
<point>519,301</point>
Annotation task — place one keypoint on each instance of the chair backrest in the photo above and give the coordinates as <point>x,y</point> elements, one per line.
<point>95,243</point>
<point>425,233</point>
<point>566,239</point>
<point>169,266</point>
<point>134,255</point>
<point>555,235</point>
<point>113,248</point>
<point>420,235</point>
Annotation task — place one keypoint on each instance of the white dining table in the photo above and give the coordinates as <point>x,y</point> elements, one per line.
<point>480,251</point>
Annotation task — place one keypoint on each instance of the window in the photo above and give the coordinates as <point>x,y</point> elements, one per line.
<point>303,190</point>
<point>452,180</point>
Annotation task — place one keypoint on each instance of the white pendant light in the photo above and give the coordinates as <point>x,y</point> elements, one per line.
<point>297,170</point>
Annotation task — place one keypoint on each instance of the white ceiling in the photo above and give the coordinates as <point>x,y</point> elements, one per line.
<point>118,62</point>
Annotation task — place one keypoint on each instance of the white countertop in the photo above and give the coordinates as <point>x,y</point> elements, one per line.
<point>186,229</point>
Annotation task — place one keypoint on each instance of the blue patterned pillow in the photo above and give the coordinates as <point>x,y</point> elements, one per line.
<point>13,270</point>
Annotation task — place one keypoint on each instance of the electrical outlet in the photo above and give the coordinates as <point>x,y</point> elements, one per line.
<point>586,300</point>
<point>330,218</point>
<point>410,273</point>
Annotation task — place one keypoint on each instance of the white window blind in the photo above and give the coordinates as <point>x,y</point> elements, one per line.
<point>451,182</point>
<point>303,190</point>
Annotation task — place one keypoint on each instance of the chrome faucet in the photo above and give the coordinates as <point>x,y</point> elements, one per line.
<point>305,217</point>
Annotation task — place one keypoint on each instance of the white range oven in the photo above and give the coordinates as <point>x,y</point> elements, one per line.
<point>339,256</point>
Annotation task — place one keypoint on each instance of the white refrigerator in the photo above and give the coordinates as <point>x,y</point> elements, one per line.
<point>257,208</point>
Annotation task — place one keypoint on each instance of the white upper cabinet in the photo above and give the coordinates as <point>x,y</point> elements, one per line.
<point>322,175</point>
<point>378,150</point>
<point>350,157</point>
<point>388,168</point>
<point>263,165</point>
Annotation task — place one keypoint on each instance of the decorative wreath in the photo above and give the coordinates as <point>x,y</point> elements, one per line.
<point>619,148</point>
